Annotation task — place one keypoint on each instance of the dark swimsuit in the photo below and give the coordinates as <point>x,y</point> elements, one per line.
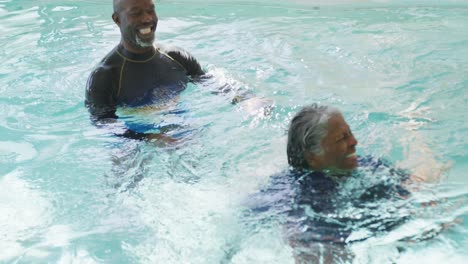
<point>315,207</point>
<point>126,79</point>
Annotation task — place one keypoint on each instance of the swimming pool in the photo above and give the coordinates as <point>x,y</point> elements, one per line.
<point>397,70</point>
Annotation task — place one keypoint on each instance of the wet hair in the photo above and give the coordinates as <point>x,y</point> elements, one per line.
<point>117,6</point>
<point>306,131</point>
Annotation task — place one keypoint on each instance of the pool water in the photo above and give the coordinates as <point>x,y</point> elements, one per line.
<point>74,193</point>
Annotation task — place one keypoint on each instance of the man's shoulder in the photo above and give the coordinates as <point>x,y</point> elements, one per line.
<point>104,68</point>
<point>172,50</point>
<point>182,57</point>
<point>177,54</point>
<point>100,78</point>
<point>111,60</point>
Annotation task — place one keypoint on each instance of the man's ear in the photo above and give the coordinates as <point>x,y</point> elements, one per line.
<point>116,19</point>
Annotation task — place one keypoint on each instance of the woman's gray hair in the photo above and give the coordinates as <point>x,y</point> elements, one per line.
<point>306,131</point>
<point>117,4</point>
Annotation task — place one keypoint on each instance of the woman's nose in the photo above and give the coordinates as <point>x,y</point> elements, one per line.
<point>352,141</point>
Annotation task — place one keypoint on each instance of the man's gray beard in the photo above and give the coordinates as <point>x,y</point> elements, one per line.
<point>142,43</point>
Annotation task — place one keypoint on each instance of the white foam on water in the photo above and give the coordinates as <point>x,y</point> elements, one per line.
<point>22,209</point>
<point>78,256</point>
<point>22,151</point>
<point>190,223</point>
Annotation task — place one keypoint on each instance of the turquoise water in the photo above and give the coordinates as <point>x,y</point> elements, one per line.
<point>398,71</point>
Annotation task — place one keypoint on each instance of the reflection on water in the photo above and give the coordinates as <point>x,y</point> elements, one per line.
<point>397,70</point>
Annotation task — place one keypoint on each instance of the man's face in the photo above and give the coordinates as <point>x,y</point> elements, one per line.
<point>339,146</point>
<point>137,21</point>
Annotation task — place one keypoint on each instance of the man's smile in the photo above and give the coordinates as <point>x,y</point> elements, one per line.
<point>145,31</point>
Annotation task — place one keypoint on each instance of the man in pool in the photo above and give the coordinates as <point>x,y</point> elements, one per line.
<point>331,196</point>
<point>136,72</point>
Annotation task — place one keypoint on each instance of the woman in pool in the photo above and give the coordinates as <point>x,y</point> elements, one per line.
<point>331,196</point>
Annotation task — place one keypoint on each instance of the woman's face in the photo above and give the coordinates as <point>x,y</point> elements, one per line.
<point>338,147</point>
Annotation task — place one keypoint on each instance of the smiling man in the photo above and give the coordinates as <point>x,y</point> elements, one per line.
<point>137,21</point>
<point>137,72</point>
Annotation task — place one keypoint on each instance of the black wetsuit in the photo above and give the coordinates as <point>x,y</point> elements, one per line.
<point>127,79</point>
<point>320,209</point>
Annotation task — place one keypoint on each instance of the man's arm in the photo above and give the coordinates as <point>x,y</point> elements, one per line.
<point>100,99</point>
<point>184,59</point>
<point>246,99</point>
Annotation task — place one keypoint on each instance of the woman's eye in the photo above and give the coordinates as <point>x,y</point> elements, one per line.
<point>344,137</point>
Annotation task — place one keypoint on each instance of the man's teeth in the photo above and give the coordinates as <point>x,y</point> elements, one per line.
<point>351,155</point>
<point>145,30</point>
